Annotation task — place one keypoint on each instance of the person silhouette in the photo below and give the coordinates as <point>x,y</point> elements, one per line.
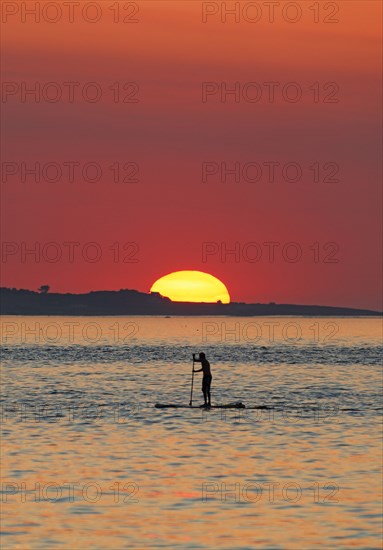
<point>206,379</point>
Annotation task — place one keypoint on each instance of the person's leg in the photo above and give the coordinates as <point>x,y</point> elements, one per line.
<point>204,390</point>
<point>208,392</point>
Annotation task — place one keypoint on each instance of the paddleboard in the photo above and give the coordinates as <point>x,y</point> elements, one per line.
<point>236,405</point>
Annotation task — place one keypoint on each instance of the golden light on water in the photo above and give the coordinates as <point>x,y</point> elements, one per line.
<point>64,455</point>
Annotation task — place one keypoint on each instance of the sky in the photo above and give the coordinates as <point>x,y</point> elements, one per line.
<point>172,136</point>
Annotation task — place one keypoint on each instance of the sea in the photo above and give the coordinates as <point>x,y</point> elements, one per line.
<point>88,461</point>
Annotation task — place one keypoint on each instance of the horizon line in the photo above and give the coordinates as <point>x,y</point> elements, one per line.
<point>380,312</point>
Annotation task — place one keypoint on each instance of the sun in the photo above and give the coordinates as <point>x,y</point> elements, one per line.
<point>191,286</point>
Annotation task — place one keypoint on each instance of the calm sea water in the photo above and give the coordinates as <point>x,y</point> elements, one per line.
<point>88,462</point>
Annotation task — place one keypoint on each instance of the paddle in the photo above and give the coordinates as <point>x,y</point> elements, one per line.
<point>191,391</point>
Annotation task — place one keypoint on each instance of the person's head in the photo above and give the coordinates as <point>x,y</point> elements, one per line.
<point>202,355</point>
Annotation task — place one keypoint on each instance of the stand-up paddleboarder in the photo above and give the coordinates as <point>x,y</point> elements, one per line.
<point>207,377</point>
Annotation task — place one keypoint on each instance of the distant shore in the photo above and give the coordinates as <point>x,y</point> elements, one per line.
<point>131,302</point>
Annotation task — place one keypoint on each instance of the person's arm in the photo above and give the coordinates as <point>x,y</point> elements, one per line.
<point>196,361</point>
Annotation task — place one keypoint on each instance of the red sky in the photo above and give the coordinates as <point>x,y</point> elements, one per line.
<point>170,132</point>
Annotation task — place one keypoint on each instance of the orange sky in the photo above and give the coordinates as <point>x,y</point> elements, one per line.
<point>170,132</point>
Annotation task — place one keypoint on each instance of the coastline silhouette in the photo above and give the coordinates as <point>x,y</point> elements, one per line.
<point>132,302</point>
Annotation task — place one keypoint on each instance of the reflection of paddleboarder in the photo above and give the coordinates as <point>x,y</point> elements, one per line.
<point>207,377</point>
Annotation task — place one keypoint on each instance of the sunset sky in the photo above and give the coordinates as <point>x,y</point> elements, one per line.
<point>172,130</point>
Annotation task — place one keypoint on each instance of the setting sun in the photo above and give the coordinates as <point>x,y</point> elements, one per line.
<point>191,286</point>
